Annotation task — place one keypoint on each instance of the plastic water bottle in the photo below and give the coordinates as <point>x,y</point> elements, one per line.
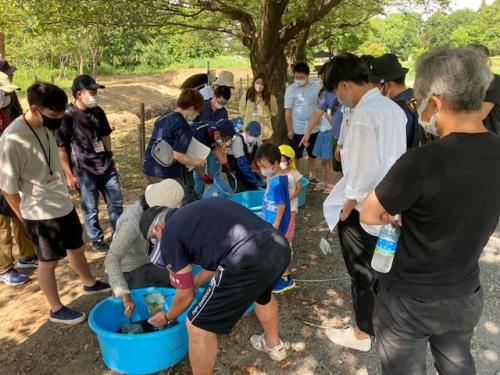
<point>385,248</point>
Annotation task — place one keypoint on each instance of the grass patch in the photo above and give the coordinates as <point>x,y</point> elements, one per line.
<point>25,77</point>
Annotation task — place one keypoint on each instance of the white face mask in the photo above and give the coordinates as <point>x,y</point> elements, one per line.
<point>218,105</point>
<point>5,100</point>
<point>267,172</point>
<point>429,126</point>
<point>283,165</point>
<point>258,87</point>
<point>347,101</point>
<point>252,139</point>
<point>300,82</point>
<point>92,101</point>
<point>190,118</point>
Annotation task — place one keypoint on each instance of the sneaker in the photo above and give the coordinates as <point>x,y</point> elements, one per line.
<point>14,277</point>
<point>100,246</point>
<point>27,263</point>
<point>283,284</point>
<point>277,353</point>
<point>345,337</point>
<point>98,287</point>
<point>67,316</point>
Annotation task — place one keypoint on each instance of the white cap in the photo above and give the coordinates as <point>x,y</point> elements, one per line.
<point>167,193</point>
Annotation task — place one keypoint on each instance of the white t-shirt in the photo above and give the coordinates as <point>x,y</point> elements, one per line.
<point>25,171</point>
<point>207,92</point>
<point>294,177</point>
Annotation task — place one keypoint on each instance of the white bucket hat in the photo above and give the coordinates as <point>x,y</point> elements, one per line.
<point>5,84</point>
<point>225,78</point>
<point>166,193</point>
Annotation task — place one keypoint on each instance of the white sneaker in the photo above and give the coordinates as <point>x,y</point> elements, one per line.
<point>277,353</point>
<point>345,337</point>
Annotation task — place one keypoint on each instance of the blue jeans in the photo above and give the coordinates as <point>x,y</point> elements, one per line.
<point>109,186</point>
<point>212,168</point>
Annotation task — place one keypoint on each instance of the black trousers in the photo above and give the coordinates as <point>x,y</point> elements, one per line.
<point>404,326</point>
<point>357,248</point>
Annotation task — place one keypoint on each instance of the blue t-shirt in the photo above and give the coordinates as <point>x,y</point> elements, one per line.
<point>212,232</point>
<point>302,100</point>
<point>277,194</point>
<point>175,130</point>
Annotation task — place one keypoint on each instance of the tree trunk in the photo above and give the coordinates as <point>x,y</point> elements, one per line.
<point>94,52</point>
<point>300,54</point>
<point>275,68</point>
<point>62,70</point>
<point>81,64</point>
<point>2,46</point>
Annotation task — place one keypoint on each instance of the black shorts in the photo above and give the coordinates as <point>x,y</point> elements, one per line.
<point>53,237</point>
<point>233,289</point>
<point>299,151</point>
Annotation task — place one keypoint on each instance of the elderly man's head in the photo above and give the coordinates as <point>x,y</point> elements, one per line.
<point>451,81</point>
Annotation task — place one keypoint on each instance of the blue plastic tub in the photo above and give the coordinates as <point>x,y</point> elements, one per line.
<point>138,353</point>
<point>251,199</point>
<point>303,193</point>
<point>219,189</point>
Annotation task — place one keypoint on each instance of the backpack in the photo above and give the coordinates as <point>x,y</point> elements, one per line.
<point>420,136</point>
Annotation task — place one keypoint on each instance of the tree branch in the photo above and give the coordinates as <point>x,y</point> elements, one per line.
<point>315,14</point>
<point>334,30</point>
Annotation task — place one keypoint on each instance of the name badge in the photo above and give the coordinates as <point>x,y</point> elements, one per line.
<point>98,146</point>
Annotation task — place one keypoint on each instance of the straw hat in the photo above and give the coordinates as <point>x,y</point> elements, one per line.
<point>225,78</point>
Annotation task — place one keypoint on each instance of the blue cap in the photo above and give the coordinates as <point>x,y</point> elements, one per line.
<point>225,127</point>
<point>253,128</point>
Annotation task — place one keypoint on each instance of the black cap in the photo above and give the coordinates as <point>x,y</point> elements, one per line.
<point>6,68</point>
<point>147,219</point>
<point>83,82</point>
<point>386,68</point>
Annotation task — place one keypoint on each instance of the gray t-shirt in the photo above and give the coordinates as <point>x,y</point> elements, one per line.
<point>24,170</point>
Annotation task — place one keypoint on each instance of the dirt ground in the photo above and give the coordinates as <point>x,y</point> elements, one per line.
<point>31,344</point>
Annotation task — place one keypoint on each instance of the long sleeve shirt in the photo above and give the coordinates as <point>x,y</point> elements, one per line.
<point>375,137</point>
<point>128,250</point>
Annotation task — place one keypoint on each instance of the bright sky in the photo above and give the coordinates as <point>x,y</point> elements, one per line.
<point>472,4</point>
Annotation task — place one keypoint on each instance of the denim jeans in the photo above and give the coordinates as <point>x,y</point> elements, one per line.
<point>109,186</point>
<point>212,168</point>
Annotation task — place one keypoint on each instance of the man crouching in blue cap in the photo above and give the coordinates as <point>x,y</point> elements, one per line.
<point>240,253</point>
<point>214,134</point>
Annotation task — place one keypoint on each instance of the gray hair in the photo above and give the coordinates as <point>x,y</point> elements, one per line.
<point>459,75</point>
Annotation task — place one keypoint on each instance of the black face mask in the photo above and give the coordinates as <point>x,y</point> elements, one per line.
<point>51,123</point>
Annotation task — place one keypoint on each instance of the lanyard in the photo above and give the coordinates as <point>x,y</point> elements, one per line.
<point>47,157</point>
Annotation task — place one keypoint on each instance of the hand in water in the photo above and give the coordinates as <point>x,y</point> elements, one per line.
<point>128,304</point>
<point>158,319</point>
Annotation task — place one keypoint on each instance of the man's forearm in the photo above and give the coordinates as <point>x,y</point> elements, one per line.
<point>182,300</point>
<point>107,143</point>
<point>313,120</point>
<point>288,119</point>
<point>63,157</point>
<point>14,201</point>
